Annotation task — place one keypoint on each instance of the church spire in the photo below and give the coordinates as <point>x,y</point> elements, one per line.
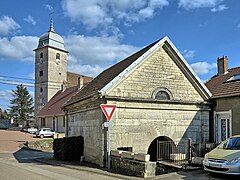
<point>51,26</point>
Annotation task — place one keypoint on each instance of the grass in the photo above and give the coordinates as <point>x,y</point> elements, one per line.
<point>49,140</point>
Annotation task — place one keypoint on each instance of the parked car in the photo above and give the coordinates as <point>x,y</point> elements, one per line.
<point>45,132</point>
<point>31,130</point>
<point>225,158</point>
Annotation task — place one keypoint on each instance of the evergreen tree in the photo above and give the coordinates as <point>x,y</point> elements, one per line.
<point>21,108</point>
<point>3,114</point>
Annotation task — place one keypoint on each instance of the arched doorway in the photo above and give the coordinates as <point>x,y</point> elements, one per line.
<point>161,148</point>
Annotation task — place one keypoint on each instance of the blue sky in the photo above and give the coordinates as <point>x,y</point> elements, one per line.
<point>98,33</point>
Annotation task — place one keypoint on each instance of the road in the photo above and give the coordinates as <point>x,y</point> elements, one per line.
<point>21,164</point>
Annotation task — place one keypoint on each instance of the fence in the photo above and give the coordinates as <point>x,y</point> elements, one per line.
<point>172,152</point>
<point>181,153</point>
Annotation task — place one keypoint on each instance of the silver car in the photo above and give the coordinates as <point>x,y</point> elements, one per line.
<point>45,132</point>
<point>225,158</point>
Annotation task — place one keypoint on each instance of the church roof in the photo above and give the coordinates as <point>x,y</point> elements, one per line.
<point>51,38</point>
<point>226,84</point>
<point>110,76</point>
<point>53,107</point>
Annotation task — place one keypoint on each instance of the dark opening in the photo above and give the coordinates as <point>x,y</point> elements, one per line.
<point>57,56</point>
<point>54,124</point>
<point>154,148</point>
<point>43,122</point>
<point>125,149</point>
<point>41,73</point>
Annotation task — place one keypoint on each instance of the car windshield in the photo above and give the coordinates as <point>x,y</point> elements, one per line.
<point>231,143</point>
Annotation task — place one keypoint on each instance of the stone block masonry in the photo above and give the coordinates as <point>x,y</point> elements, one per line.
<point>132,167</point>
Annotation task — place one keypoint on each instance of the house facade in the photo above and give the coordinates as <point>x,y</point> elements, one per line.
<point>225,89</point>
<point>158,97</point>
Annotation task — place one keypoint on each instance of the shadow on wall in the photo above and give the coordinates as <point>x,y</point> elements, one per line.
<point>162,146</point>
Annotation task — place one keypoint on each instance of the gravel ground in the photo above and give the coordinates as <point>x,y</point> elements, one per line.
<point>10,141</point>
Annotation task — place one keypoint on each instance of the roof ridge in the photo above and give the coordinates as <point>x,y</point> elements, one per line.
<point>234,68</point>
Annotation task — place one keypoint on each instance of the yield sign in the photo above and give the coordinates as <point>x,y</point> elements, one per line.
<point>108,110</point>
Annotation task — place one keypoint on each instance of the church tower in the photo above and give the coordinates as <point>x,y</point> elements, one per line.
<point>50,67</point>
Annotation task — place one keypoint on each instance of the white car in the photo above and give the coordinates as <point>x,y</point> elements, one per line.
<point>32,130</point>
<point>45,132</point>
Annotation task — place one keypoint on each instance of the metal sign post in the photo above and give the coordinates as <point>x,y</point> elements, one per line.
<point>108,111</point>
<point>109,148</point>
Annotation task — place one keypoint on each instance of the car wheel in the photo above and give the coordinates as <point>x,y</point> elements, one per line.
<point>41,136</point>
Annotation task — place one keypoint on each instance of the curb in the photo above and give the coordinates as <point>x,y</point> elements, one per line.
<point>86,169</point>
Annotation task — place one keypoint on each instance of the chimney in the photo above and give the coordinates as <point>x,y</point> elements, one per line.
<point>222,64</point>
<point>80,82</point>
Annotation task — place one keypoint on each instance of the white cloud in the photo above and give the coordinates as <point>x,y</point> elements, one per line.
<point>93,54</point>
<point>192,4</point>
<point>5,95</point>
<point>188,54</point>
<point>219,8</point>
<point>8,25</point>
<point>18,48</point>
<point>203,67</point>
<point>30,19</point>
<point>104,13</point>
<point>31,76</point>
<point>49,7</point>
<point>86,70</point>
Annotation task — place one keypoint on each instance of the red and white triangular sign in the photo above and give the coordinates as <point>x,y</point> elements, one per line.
<point>108,110</point>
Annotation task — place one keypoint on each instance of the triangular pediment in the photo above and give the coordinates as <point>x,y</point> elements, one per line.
<point>164,48</point>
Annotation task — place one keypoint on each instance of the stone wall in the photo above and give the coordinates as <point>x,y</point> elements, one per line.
<point>87,122</point>
<point>137,125</point>
<point>128,165</point>
<point>157,71</point>
<point>41,145</point>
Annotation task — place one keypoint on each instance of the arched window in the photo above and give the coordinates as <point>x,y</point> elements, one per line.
<point>41,55</point>
<point>58,56</point>
<point>41,90</point>
<point>162,94</point>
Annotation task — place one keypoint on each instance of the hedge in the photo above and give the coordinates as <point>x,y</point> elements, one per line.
<point>68,148</point>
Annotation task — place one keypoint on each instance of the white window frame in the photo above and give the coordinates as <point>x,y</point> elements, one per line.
<point>217,117</point>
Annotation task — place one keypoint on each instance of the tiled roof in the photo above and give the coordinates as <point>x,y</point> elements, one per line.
<point>53,107</point>
<point>222,85</point>
<point>109,74</point>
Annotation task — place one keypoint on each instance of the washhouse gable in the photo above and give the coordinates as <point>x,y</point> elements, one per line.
<point>161,73</point>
